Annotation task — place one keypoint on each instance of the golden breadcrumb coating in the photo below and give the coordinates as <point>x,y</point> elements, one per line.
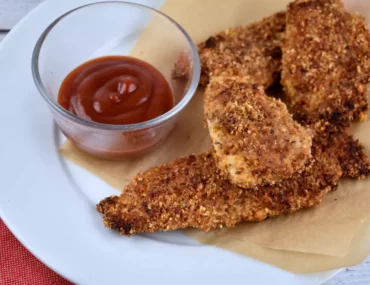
<point>256,140</point>
<point>182,67</point>
<point>252,51</point>
<point>326,62</point>
<point>190,192</point>
<point>325,70</point>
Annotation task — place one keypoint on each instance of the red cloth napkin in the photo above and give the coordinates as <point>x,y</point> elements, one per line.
<point>19,267</point>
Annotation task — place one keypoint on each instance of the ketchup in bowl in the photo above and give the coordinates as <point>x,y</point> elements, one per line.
<point>116,90</point>
<point>116,106</point>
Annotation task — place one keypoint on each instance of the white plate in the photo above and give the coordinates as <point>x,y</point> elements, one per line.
<point>49,204</point>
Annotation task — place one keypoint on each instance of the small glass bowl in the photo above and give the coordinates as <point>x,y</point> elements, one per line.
<point>115,28</point>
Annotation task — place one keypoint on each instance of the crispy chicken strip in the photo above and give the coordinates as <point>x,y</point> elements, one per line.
<point>190,192</point>
<point>252,51</point>
<point>326,62</point>
<point>256,140</point>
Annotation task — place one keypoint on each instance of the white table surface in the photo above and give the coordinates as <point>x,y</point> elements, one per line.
<point>11,11</point>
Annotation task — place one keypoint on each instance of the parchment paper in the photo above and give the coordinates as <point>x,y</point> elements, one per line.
<point>333,235</point>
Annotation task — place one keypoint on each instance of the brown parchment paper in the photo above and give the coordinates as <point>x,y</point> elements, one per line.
<point>333,235</point>
<point>293,261</point>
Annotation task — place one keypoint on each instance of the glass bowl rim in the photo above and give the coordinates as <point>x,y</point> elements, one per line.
<point>138,126</point>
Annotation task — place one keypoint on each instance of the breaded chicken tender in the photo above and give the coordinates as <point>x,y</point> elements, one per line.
<point>190,192</point>
<point>256,140</point>
<point>252,51</point>
<point>325,62</point>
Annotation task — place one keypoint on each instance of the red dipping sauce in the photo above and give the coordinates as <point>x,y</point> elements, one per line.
<point>116,90</point>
